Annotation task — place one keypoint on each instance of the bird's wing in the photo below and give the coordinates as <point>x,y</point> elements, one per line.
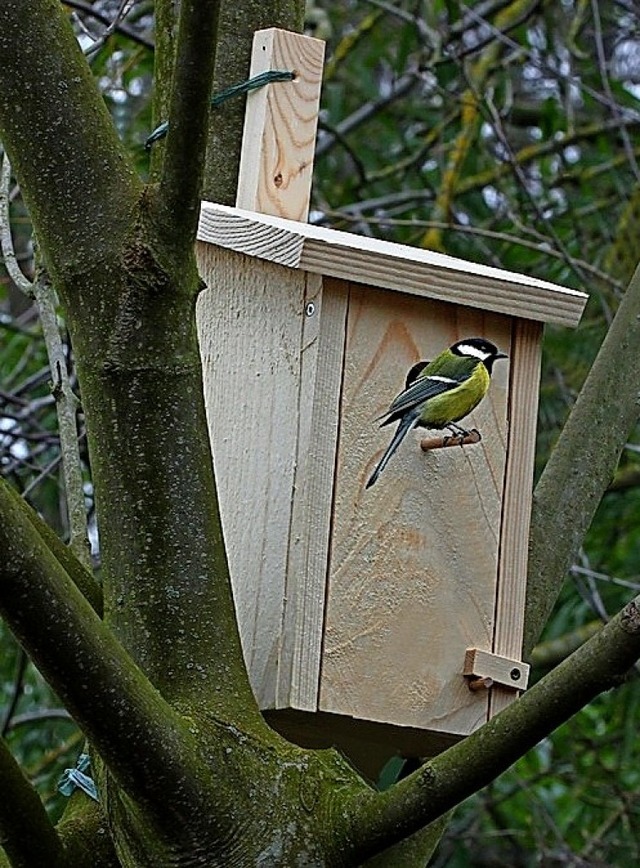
<point>426,386</point>
<point>414,372</point>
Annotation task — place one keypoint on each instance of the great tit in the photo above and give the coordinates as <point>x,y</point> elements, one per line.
<point>439,393</point>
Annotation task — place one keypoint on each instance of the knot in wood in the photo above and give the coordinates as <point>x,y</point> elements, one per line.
<point>630,617</point>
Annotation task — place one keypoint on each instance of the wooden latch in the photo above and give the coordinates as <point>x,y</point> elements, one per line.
<point>484,669</point>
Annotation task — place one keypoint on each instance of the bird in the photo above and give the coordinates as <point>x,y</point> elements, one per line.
<point>441,392</point>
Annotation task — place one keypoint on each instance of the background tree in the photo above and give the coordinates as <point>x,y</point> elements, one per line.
<point>486,130</point>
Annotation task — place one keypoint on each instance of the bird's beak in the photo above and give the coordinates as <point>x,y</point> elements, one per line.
<point>501,356</point>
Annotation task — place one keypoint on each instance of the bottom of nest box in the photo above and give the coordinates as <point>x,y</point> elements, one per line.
<point>366,744</point>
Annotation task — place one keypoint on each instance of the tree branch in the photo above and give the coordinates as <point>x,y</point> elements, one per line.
<point>55,118</point>
<point>81,577</point>
<point>601,663</point>
<point>147,747</point>
<point>583,463</point>
<point>66,408</point>
<point>183,166</point>
<point>26,833</point>
<point>82,832</point>
<point>165,34</point>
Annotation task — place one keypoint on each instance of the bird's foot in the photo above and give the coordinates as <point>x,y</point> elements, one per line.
<point>459,438</point>
<point>457,433</point>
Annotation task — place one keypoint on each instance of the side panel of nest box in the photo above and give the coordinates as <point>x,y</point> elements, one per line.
<point>271,344</point>
<point>414,559</point>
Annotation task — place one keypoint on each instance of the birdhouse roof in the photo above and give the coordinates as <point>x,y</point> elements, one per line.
<point>388,265</point>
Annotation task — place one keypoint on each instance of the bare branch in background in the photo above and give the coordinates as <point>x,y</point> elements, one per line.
<point>119,26</point>
<point>606,86</point>
<point>43,293</point>
<point>16,692</point>
<point>99,41</point>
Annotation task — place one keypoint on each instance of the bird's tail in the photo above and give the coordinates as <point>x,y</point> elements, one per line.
<point>401,432</point>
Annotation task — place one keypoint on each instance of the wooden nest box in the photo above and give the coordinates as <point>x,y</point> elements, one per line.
<point>389,616</point>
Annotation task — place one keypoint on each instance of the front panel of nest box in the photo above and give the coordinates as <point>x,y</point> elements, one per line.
<point>414,559</point>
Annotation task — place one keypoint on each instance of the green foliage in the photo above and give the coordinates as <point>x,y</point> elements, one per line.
<point>572,800</point>
<point>39,732</point>
<point>124,71</point>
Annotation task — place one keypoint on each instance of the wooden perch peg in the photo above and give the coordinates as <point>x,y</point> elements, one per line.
<point>445,440</point>
<point>477,684</point>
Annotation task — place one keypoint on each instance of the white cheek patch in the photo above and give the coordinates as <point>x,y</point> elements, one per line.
<point>468,350</point>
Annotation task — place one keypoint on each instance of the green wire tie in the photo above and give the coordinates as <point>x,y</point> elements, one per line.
<point>77,778</point>
<point>244,87</point>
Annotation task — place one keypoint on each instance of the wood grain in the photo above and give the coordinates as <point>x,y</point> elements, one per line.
<point>278,144</point>
<point>261,349</point>
<point>251,339</point>
<point>302,631</point>
<point>392,266</point>
<point>413,560</point>
<point>512,574</point>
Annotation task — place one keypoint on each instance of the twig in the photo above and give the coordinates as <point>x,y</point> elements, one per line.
<point>496,122</point>
<point>605,577</point>
<point>16,692</point>
<point>66,402</point>
<point>8,253</point>
<point>99,41</point>
<point>103,17</point>
<point>586,585</point>
<point>39,715</point>
<point>511,23</point>
<point>46,471</point>
<point>368,110</point>
<point>606,86</point>
<point>428,34</point>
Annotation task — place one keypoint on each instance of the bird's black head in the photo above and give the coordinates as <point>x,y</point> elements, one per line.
<point>478,348</point>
